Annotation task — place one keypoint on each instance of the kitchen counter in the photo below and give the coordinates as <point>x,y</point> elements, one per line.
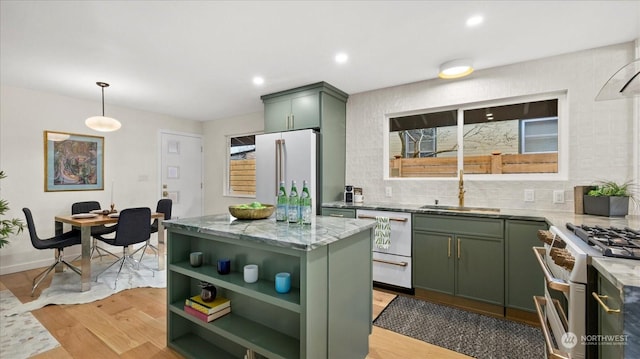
<point>555,218</point>
<point>322,231</point>
<point>621,272</point>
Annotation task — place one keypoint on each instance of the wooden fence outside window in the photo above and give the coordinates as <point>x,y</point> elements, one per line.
<point>242,177</point>
<point>489,164</point>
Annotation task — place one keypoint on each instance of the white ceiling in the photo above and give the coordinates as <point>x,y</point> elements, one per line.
<point>196,59</point>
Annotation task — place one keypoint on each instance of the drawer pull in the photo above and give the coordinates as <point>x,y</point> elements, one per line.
<point>362,216</point>
<point>449,248</point>
<point>336,215</point>
<point>552,282</point>
<point>459,245</point>
<point>599,299</point>
<point>399,264</point>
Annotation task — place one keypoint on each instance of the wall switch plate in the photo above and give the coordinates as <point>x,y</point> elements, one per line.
<point>529,195</point>
<point>558,196</point>
<point>387,191</point>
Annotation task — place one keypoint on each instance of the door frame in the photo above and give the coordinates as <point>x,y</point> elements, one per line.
<point>159,163</point>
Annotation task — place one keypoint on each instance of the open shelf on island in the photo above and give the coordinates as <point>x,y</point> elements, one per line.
<point>247,333</point>
<point>263,290</point>
<point>193,346</point>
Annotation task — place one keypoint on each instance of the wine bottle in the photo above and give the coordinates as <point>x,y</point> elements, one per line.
<point>293,209</point>
<point>305,204</point>
<point>282,204</point>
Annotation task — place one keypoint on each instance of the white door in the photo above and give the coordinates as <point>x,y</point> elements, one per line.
<point>181,173</point>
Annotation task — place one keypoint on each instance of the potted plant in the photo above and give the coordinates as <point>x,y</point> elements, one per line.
<point>8,226</point>
<point>608,199</point>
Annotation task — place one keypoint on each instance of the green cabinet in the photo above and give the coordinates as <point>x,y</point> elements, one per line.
<point>322,107</point>
<point>294,112</point>
<point>461,256</point>
<point>432,254</point>
<point>339,212</point>
<point>523,276</point>
<point>327,313</point>
<point>301,108</point>
<point>610,319</point>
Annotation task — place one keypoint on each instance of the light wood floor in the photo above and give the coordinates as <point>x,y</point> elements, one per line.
<point>132,324</point>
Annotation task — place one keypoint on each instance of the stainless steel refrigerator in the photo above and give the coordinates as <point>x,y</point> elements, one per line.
<point>287,156</point>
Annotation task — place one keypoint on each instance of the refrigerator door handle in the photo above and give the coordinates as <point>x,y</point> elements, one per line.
<point>278,164</point>
<point>282,162</point>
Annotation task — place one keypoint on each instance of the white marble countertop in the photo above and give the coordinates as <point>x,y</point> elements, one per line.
<point>321,232</point>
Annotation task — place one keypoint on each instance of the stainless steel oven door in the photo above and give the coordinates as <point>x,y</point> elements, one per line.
<point>561,313</point>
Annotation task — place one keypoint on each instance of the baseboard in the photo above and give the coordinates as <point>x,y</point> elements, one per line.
<point>522,316</point>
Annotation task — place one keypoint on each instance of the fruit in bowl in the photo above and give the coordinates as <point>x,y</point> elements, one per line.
<point>255,210</point>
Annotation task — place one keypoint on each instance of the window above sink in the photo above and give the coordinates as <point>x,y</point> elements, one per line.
<point>495,139</point>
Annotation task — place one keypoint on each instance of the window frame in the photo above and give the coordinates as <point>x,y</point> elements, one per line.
<point>563,139</point>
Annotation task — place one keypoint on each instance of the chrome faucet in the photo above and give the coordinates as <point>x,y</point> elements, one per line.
<point>461,191</point>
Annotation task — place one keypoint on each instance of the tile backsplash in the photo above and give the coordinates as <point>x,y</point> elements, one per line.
<point>599,141</point>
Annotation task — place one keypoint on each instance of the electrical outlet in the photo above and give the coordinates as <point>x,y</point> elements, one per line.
<point>558,196</point>
<point>387,191</point>
<point>529,195</point>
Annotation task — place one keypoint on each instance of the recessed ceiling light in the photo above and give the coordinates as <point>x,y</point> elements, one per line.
<point>258,80</point>
<point>456,68</point>
<point>475,20</point>
<point>341,58</point>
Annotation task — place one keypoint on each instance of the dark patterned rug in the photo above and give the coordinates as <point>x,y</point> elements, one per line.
<point>476,335</point>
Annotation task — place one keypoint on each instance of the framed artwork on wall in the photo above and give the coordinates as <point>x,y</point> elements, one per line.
<point>73,162</point>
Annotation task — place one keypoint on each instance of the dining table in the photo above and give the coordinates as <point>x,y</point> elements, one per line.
<point>85,222</point>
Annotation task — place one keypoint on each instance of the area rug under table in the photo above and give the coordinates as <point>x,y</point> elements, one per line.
<point>472,334</point>
<point>22,335</point>
<point>65,286</point>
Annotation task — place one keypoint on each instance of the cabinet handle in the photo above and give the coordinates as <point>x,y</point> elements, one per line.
<point>606,308</point>
<point>400,264</point>
<point>459,245</point>
<point>449,248</point>
<point>293,121</point>
<point>336,215</point>
<point>390,218</point>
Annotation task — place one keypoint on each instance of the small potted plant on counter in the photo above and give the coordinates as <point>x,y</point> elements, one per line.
<point>608,199</point>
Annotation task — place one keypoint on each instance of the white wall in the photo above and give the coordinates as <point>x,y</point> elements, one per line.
<point>600,133</point>
<point>215,154</point>
<point>130,159</point>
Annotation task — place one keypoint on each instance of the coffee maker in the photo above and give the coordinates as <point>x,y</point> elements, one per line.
<point>348,194</point>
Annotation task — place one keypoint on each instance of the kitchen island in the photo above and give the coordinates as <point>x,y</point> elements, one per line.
<point>327,313</point>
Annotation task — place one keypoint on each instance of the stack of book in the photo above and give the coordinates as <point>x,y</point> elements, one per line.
<point>207,311</point>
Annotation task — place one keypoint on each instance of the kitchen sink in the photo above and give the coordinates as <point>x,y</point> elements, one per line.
<point>460,209</point>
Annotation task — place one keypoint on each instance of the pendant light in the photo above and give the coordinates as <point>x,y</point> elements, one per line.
<point>102,123</point>
<point>455,69</point>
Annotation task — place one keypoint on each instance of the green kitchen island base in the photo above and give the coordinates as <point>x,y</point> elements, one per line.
<point>327,313</point>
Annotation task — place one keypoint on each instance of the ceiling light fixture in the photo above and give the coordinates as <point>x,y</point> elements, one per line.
<point>341,58</point>
<point>474,20</point>
<point>258,80</point>
<point>455,69</point>
<point>102,123</point>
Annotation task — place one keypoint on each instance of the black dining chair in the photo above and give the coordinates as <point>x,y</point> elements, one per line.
<point>164,206</point>
<point>59,242</point>
<point>87,207</point>
<point>133,227</point>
